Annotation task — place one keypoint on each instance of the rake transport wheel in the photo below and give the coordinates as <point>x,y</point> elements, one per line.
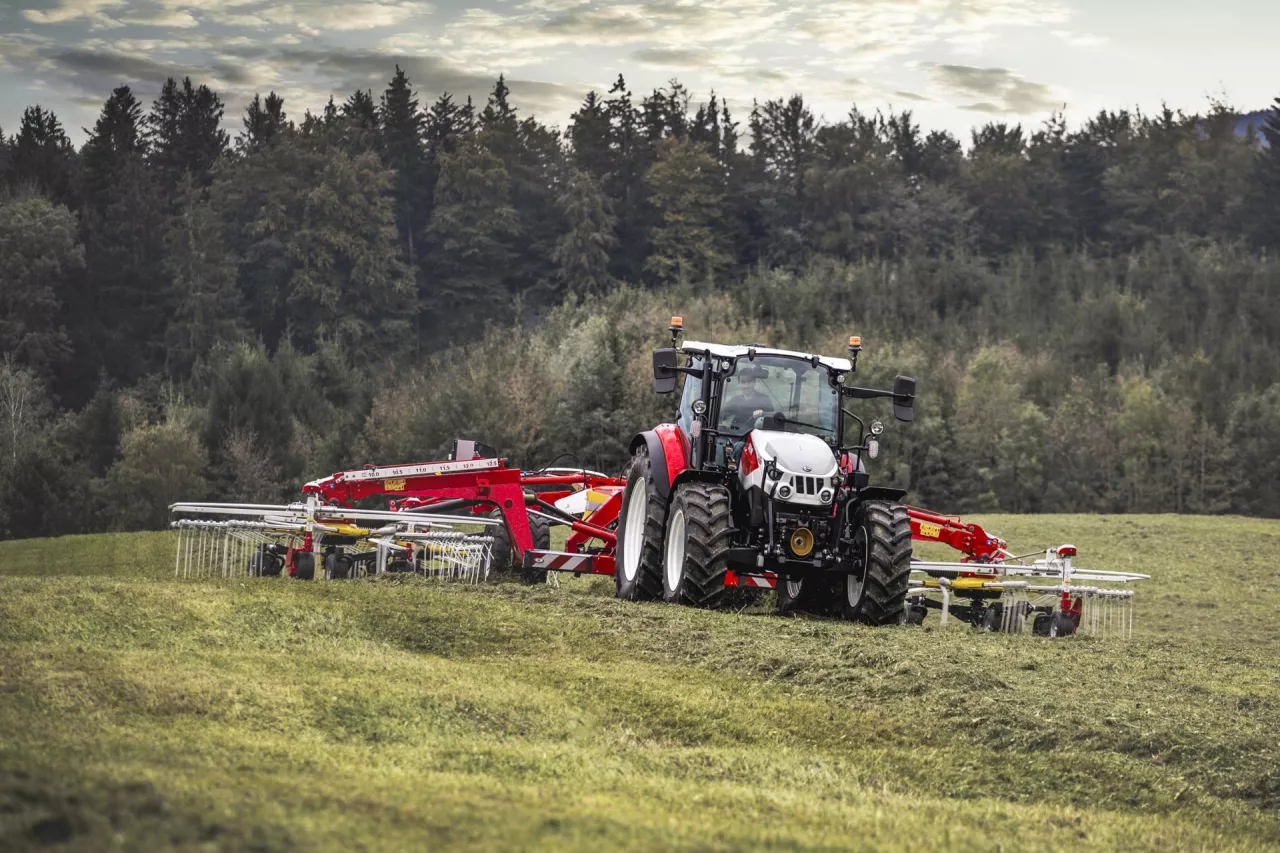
<point>304,565</point>
<point>796,595</point>
<point>641,524</point>
<point>696,554</point>
<point>541,530</point>
<point>500,561</point>
<point>875,589</point>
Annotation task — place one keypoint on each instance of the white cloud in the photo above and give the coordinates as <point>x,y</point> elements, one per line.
<point>997,90</point>
<point>72,10</point>
<point>172,18</point>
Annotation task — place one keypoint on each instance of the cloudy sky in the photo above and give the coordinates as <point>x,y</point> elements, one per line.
<point>954,62</point>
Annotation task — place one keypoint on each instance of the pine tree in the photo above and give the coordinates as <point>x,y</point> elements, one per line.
<point>470,232</point>
<point>360,113</point>
<point>632,155</point>
<point>582,253</point>
<point>115,144</point>
<point>499,125</point>
<point>589,137</point>
<point>402,126</point>
<point>38,253</point>
<point>185,132</point>
<point>118,315</point>
<point>685,189</point>
<point>1261,212</point>
<point>263,121</point>
<point>43,157</point>
<point>205,299</point>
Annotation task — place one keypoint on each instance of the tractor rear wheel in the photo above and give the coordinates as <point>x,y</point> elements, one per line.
<point>696,555</point>
<point>875,589</point>
<point>641,525</point>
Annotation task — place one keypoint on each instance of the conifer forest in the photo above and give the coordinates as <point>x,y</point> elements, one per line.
<point>198,305</point>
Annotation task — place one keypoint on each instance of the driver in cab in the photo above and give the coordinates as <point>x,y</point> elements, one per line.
<point>749,403</point>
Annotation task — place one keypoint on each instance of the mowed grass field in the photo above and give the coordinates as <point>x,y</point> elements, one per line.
<point>141,712</point>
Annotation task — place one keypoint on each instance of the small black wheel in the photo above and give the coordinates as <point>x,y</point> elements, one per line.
<point>337,565</point>
<point>1062,625</point>
<point>1040,627</point>
<point>399,565</point>
<point>914,614</point>
<point>799,595</point>
<point>304,565</point>
<point>992,617</point>
<point>541,530</point>
<point>500,561</point>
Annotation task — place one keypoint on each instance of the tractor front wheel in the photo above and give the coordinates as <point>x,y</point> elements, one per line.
<point>696,556</point>
<point>641,524</point>
<point>875,589</point>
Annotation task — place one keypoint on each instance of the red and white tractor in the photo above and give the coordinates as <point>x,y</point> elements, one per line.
<point>760,482</point>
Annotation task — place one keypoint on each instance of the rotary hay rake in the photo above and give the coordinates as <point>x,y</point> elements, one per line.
<point>261,540</point>
<point>997,590</point>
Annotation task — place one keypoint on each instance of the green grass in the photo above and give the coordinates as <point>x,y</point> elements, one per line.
<point>141,712</point>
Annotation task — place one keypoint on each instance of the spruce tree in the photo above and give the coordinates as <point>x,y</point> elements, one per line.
<point>263,121</point>
<point>685,189</point>
<point>43,157</point>
<point>120,310</point>
<point>589,137</point>
<point>205,299</point>
<point>470,232</point>
<point>1261,208</point>
<point>185,132</point>
<point>582,253</point>
<point>401,132</point>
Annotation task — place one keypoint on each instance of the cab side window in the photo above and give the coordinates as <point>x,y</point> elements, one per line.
<point>692,391</point>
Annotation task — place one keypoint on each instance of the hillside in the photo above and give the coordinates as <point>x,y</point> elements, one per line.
<point>142,712</point>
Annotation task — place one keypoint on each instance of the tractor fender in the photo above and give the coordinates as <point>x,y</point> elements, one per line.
<point>666,454</point>
<point>693,475</point>
<point>881,493</point>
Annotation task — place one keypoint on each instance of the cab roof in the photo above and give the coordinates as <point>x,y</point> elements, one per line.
<point>840,365</point>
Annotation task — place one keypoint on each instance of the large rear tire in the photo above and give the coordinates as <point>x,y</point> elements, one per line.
<point>642,522</point>
<point>875,589</point>
<point>696,553</point>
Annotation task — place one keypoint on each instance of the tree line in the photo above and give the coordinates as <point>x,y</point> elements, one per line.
<point>1091,313</point>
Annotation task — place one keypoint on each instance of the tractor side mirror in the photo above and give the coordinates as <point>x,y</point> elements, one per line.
<point>904,398</point>
<point>664,370</point>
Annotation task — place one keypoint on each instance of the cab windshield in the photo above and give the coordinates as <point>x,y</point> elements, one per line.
<point>784,394</point>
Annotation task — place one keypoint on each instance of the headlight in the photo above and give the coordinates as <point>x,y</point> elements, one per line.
<point>700,408</point>
<point>825,496</point>
<point>784,491</point>
<point>876,427</point>
<point>774,473</point>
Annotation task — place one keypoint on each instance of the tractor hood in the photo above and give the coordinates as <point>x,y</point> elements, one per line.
<point>796,453</point>
<point>806,467</point>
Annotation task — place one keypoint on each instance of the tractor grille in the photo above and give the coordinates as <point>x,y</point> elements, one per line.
<point>806,485</point>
